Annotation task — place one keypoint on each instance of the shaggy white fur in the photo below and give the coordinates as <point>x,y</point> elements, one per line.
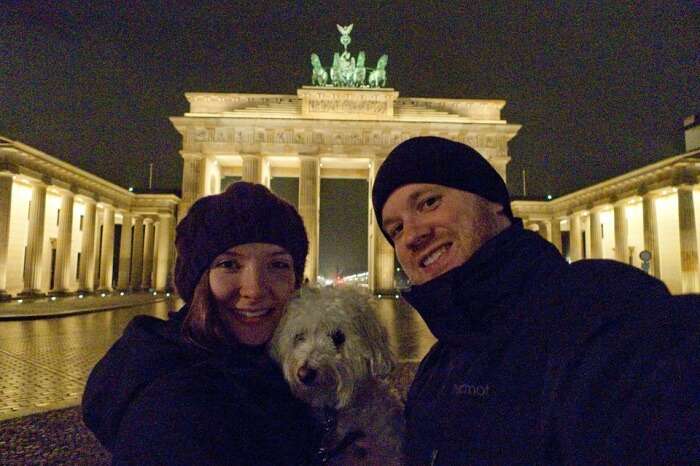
<point>335,354</point>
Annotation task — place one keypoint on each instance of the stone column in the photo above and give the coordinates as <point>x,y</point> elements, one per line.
<point>107,253</point>
<point>192,187</point>
<point>690,276</point>
<point>381,254</point>
<point>6,180</point>
<point>575,252</point>
<point>35,241</point>
<point>86,275</point>
<point>164,244</point>
<point>556,233</point>
<point>252,168</point>
<point>148,245</point>
<point>309,207</point>
<point>63,244</point>
<point>596,234</point>
<point>651,233</point>
<point>137,254</point>
<point>124,253</point>
<point>620,220</point>
<point>543,230</point>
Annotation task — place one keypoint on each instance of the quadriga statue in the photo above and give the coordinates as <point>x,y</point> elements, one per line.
<point>319,76</point>
<point>377,78</point>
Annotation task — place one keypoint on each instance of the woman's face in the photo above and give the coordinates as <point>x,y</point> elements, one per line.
<point>251,284</point>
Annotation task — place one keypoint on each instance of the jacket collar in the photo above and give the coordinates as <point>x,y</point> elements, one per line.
<point>469,299</point>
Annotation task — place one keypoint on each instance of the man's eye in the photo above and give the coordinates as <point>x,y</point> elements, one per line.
<point>429,202</point>
<point>395,230</point>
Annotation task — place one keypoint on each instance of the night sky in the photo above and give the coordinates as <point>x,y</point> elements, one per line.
<point>599,89</point>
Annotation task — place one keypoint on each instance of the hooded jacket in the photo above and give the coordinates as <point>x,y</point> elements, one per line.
<point>543,362</point>
<point>154,399</point>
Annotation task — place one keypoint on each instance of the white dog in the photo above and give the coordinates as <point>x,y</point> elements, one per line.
<point>335,354</point>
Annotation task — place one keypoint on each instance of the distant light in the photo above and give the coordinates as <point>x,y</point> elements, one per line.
<point>154,293</point>
<point>396,296</point>
<point>167,294</point>
<point>549,197</point>
<point>398,268</point>
<point>103,294</point>
<point>20,301</point>
<point>121,294</point>
<point>131,189</point>
<point>379,296</point>
<point>80,296</point>
<point>53,298</point>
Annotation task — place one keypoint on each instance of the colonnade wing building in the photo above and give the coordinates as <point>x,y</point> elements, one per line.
<point>651,211</point>
<point>324,132</point>
<point>58,224</point>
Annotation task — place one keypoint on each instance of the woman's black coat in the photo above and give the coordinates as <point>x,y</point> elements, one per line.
<point>153,399</point>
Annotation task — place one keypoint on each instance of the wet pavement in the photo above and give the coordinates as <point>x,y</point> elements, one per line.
<point>45,362</point>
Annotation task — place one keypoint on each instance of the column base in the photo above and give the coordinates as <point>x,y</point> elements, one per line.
<point>386,293</point>
<point>61,294</point>
<point>31,294</point>
<point>104,291</point>
<point>5,296</point>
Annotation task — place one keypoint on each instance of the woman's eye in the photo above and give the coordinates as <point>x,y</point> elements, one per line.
<point>229,264</point>
<point>282,265</point>
<point>338,338</point>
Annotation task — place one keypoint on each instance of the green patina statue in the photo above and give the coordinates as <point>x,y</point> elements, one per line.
<point>347,71</point>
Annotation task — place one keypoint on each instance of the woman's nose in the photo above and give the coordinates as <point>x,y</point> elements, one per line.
<point>252,283</point>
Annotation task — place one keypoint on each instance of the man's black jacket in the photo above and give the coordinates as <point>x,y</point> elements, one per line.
<point>543,362</point>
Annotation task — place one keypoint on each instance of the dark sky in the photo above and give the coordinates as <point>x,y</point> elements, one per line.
<point>600,89</point>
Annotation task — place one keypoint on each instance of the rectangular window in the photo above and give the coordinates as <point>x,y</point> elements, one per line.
<point>58,215</point>
<point>77,267</point>
<point>602,230</point>
<point>81,222</point>
<point>29,209</point>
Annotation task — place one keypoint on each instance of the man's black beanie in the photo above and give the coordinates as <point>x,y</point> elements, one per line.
<point>434,160</point>
<point>244,213</point>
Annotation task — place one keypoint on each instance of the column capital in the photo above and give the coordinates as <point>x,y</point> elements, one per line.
<point>191,155</point>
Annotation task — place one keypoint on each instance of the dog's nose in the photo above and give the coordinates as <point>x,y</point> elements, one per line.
<point>306,375</point>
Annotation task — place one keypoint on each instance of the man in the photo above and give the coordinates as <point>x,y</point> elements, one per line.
<point>537,361</point>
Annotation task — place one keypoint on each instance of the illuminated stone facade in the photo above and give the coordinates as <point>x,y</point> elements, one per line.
<point>324,133</point>
<point>57,229</point>
<point>655,208</point>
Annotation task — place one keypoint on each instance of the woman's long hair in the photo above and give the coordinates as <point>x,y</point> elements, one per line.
<point>202,326</point>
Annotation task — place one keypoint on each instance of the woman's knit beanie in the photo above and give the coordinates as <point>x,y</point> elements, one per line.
<point>244,213</point>
<point>434,160</point>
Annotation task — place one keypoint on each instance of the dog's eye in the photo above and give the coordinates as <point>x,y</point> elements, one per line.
<point>338,338</point>
<point>299,338</point>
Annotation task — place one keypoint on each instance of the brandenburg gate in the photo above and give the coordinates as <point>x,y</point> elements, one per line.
<point>341,127</point>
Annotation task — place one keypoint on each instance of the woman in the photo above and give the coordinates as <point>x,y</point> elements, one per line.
<point>199,388</point>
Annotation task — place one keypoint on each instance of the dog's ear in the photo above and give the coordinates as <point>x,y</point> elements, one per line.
<point>381,359</point>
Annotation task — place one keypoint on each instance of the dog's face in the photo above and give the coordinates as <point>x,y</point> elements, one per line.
<point>327,343</point>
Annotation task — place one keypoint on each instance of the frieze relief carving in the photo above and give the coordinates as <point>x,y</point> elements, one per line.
<point>341,106</point>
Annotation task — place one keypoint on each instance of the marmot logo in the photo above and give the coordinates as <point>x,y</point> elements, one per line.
<point>480,391</point>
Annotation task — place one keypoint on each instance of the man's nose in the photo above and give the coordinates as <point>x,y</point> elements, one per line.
<point>252,283</point>
<point>416,235</point>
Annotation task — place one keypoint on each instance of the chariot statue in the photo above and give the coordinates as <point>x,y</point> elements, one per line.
<point>346,70</point>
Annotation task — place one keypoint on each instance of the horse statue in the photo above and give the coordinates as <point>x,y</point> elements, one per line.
<point>360,70</point>
<point>319,76</point>
<point>377,78</point>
